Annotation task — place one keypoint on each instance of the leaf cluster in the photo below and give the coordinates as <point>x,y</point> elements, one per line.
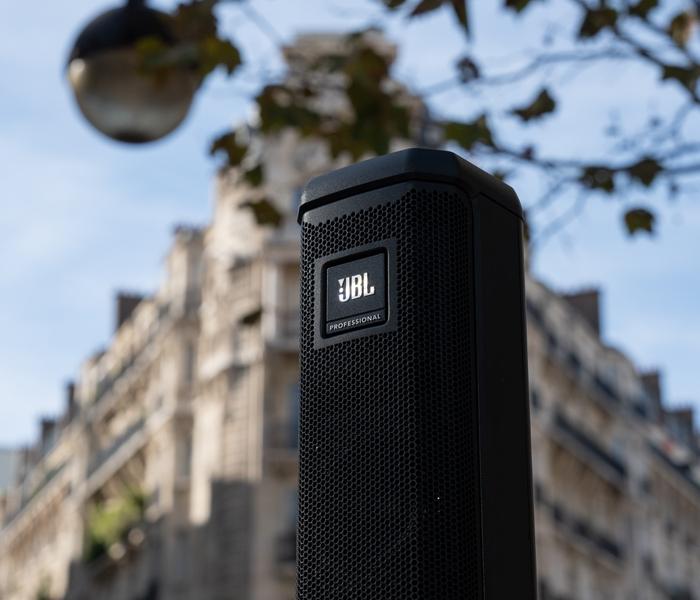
<point>109,522</point>
<point>371,110</point>
<point>356,77</point>
<point>197,44</point>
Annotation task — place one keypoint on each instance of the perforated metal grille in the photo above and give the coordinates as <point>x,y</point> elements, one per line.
<point>388,474</point>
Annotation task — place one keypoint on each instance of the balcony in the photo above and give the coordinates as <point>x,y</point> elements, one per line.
<point>682,469</point>
<point>580,530</point>
<point>589,450</point>
<point>35,492</point>
<point>606,390</point>
<point>105,454</point>
<point>106,383</point>
<point>571,362</point>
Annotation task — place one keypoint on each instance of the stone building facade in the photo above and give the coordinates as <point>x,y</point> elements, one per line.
<point>172,472</point>
<point>616,488</point>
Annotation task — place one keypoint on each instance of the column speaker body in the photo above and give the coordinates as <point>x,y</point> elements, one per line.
<point>415,474</point>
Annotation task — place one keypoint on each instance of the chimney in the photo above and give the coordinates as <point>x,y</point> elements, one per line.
<point>587,304</point>
<point>71,407</point>
<point>126,303</point>
<point>48,429</point>
<point>651,381</point>
<point>680,423</point>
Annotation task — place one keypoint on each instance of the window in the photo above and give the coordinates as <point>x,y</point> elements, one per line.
<point>183,456</point>
<point>190,361</point>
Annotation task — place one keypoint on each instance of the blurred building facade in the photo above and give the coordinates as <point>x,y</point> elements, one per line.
<point>172,472</point>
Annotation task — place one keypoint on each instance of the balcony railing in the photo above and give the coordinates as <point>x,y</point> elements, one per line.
<point>34,492</point>
<point>683,470</point>
<point>106,383</point>
<point>588,445</point>
<point>103,455</point>
<point>606,390</point>
<point>579,528</point>
<point>571,361</point>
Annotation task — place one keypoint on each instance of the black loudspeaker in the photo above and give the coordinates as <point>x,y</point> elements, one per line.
<point>415,472</point>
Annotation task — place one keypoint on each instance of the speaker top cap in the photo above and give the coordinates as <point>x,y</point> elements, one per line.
<point>422,164</point>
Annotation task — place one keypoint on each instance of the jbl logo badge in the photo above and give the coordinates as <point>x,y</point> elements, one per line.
<point>355,286</point>
<point>356,293</point>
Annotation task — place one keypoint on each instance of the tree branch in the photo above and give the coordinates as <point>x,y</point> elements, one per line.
<point>528,69</point>
<point>559,222</point>
<point>261,22</point>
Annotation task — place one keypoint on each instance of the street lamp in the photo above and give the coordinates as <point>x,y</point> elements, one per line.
<point>114,91</point>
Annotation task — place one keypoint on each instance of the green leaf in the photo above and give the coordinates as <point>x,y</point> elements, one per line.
<point>598,178</point>
<point>426,6</point>
<point>214,52</point>
<point>264,211</point>
<point>157,57</point>
<point>681,28</point>
<point>280,107</point>
<point>639,220</point>
<point>643,8</point>
<point>254,176</point>
<point>540,106</point>
<point>379,113</point>
<point>194,20</point>
<point>468,135</point>
<point>367,66</point>
<point>645,171</point>
<point>150,46</point>
<point>460,9</point>
<point>597,19</point>
<point>517,5</point>
<point>197,44</point>
<point>108,522</point>
<point>686,76</point>
<point>228,144</point>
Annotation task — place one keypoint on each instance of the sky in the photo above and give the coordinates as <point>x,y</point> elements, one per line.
<point>82,217</point>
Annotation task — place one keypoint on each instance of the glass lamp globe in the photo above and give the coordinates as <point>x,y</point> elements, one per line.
<point>112,89</point>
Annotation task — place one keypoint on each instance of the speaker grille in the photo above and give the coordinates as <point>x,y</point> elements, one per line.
<point>388,476</point>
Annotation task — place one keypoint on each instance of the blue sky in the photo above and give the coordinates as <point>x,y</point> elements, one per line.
<point>82,217</point>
